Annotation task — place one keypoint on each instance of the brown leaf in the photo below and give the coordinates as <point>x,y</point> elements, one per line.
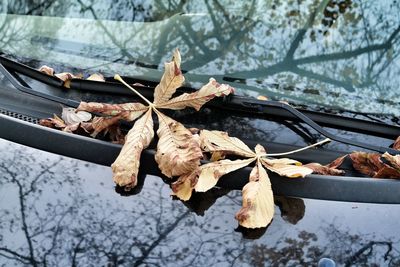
<point>197,99</point>
<point>178,150</point>
<point>170,81</point>
<point>211,172</point>
<point>328,169</point>
<point>394,161</point>
<point>72,116</point>
<point>258,200</point>
<point>217,141</point>
<point>396,144</point>
<point>367,163</point>
<point>96,77</point>
<point>71,127</point>
<point>99,124</point>
<point>285,167</point>
<point>47,70</point>
<point>55,122</point>
<point>126,111</point>
<point>126,167</point>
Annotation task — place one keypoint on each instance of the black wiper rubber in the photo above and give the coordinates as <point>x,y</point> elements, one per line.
<point>30,72</point>
<point>230,102</point>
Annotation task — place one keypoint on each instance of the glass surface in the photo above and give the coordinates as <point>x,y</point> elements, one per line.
<point>57,211</point>
<point>342,54</point>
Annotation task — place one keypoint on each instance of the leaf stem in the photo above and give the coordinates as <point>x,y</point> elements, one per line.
<point>296,150</point>
<point>119,78</point>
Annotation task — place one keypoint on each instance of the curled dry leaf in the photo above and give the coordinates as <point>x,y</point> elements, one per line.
<point>46,69</point>
<point>183,187</point>
<point>371,164</point>
<point>171,80</point>
<point>285,167</point>
<point>66,77</point>
<point>211,172</point>
<point>96,77</point>
<point>99,124</point>
<point>126,111</point>
<point>178,150</point>
<point>126,167</point>
<point>258,200</point>
<point>55,122</point>
<point>394,161</point>
<point>367,163</point>
<point>217,141</point>
<point>58,123</point>
<point>396,144</point>
<point>197,99</point>
<point>72,116</point>
<point>328,169</point>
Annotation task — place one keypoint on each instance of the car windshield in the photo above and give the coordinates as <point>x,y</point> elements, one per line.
<point>337,54</point>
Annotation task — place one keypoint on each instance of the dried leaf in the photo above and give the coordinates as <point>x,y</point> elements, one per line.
<point>328,169</point>
<point>197,99</point>
<point>367,163</point>
<point>55,122</point>
<point>96,77</point>
<point>183,187</point>
<point>47,70</point>
<point>285,167</point>
<point>396,144</point>
<point>217,141</point>
<point>72,116</point>
<point>126,111</point>
<point>71,127</point>
<point>66,77</point>
<point>178,150</point>
<point>258,200</point>
<point>211,172</point>
<point>170,81</point>
<point>394,161</point>
<point>99,124</point>
<point>126,166</point>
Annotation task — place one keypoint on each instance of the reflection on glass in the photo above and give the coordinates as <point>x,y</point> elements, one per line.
<point>336,53</point>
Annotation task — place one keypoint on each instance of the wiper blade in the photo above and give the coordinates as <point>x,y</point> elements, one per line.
<point>236,103</point>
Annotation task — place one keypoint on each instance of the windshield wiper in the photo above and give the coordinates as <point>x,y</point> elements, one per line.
<point>235,103</point>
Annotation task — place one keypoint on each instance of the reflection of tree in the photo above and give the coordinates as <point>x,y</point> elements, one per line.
<point>61,212</point>
<point>255,43</point>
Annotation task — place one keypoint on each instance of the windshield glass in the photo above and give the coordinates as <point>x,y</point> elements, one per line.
<point>340,54</point>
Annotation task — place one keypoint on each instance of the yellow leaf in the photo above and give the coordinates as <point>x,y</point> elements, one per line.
<point>126,167</point>
<point>217,141</point>
<point>170,81</point>
<point>126,111</point>
<point>258,200</point>
<point>178,150</point>
<point>183,187</point>
<point>197,99</point>
<point>211,172</point>
<point>285,167</point>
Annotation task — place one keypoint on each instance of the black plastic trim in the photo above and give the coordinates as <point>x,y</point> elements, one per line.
<point>336,188</point>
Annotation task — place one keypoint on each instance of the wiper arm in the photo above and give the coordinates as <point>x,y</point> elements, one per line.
<point>237,103</point>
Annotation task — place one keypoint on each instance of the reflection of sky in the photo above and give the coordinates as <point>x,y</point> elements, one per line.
<point>152,228</point>
<point>354,65</point>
